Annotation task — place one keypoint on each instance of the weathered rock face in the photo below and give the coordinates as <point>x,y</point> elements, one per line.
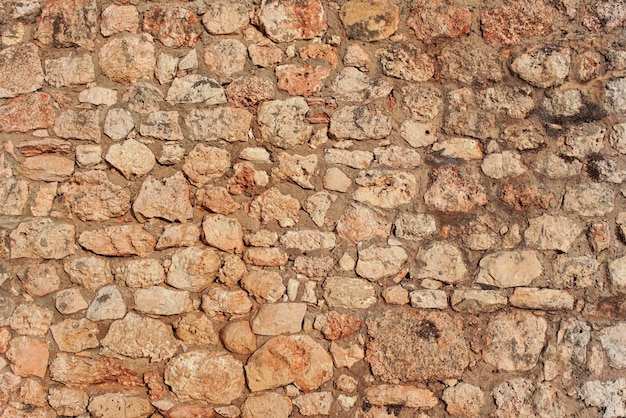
<point>514,340</point>
<point>400,335</point>
<point>373,204</point>
<point>138,337</point>
<point>20,69</point>
<point>216,377</point>
<point>289,20</point>
<point>283,360</point>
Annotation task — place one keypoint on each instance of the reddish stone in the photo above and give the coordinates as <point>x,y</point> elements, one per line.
<point>288,20</point>
<point>20,70</point>
<point>68,23</point>
<point>28,356</point>
<point>335,325</point>
<point>525,197</point>
<point>320,51</point>
<point>189,411</point>
<point>265,257</point>
<point>25,113</point>
<point>301,80</point>
<point>450,192</point>
<point>249,91</point>
<point>216,199</point>
<point>44,146</point>
<point>430,19</point>
<point>175,27</point>
<point>119,240</point>
<point>154,382</point>
<point>514,21</point>
<point>73,370</point>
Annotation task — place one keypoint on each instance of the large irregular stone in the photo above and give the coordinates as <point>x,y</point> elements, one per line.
<point>613,340</point>
<point>20,70</point>
<point>40,279</point>
<point>46,167</point>
<point>282,122</point>
<point>75,335</point>
<point>308,240</point>
<point>476,124</point>
<point>222,123</point>
<point>247,179</point>
<point>196,328</point>
<point>118,240</point>
<point>423,102</point>
<point>514,340</point>
<point>477,301</point>
<point>509,269</point>
<point>138,337</point>
<point>370,20</point>
<point>193,269</point>
<point>543,66</point>
<point>376,263</point>
<point>13,196</point>
<point>110,404</point>
<point>108,304</point>
<point>27,112</point>
<point>131,158</point>
<point>213,376</point>
<point>544,299</point>
<point>289,20</point>
<point>551,233</point>
<point>68,401</point>
<point>97,95</point>
<point>589,199</point>
<point>349,293</point>
<point>464,400</point>
<point>406,62</point>
<point>429,19</point>
<point>250,90</point>
<point>42,238</point>
<point>162,125</point>
<point>116,19</point>
<point>297,168</point>
<point>441,261</point>
<point>407,396</point>
<point>28,357</point>
<point>195,88</point>
<point>279,318</point>
<point>128,58</point>
<point>158,300</point>
<point>167,198</point>
<point>74,370</point>
<point>397,336</point>
<point>90,196</point>
<point>289,359</point>
<point>352,85</point>
<point>178,235</point>
<point>414,226</point>
<point>512,22</point>
<point>273,205</point>
<point>607,395</point>
<point>573,272</point>
<point>505,164</point>
<point>174,27</point>
<point>89,272</point>
<point>223,17</point>
<point>118,123</point>
<point>317,206</point>
<point>229,302</point>
<point>205,163</point>
<point>78,125</point>
<point>335,325</point>
<point>450,192</point>
<point>385,188</point>
<point>264,284</point>
<point>223,232</point>
<point>30,319</point>
<point>522,397</point>
<point>68,23</point>
<point>614,95</point>
<point>225,58</point>
<point>140,273</point>
<point>266,405</point>
<point>301,80</point>
<point>359,122</point>
<point>143,97</point>
<point>470,61</point>
<point>70,71</point>
<point>361,223</point>
<point>517,102</point>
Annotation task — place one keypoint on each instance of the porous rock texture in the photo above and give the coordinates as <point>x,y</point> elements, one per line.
<point>348,208</point>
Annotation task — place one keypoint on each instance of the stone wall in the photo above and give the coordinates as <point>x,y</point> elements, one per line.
<point>364,208</point>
